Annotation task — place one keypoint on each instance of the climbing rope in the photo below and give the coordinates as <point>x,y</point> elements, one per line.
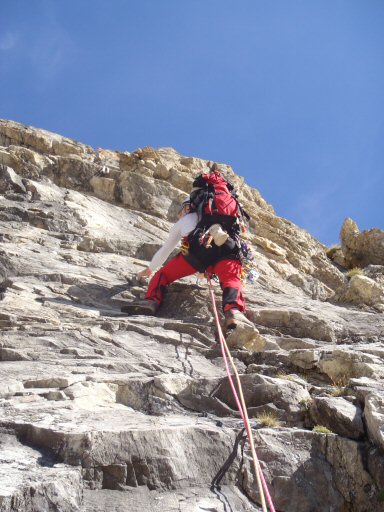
<point>240,402</point>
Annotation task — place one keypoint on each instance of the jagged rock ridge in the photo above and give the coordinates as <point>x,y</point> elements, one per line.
<point>104,412</point>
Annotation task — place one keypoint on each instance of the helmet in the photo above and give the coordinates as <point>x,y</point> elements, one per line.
<point>186,202</point>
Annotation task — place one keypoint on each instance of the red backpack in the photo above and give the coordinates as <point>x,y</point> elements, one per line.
<point>216,202</point>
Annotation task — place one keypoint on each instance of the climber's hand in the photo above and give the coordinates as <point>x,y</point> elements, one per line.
<point>144,273</point>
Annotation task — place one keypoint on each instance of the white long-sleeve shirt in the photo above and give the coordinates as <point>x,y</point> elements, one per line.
<point>180,229</point>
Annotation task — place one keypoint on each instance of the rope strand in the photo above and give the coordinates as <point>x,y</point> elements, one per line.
<point>262,484</point>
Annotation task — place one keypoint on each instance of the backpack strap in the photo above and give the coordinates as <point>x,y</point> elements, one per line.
<point>211,200</point>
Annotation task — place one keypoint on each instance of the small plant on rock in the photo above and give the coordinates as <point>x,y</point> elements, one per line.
<point>320,429</point>
<point>293,377</point>
<point>268,419</point>
<point>356,271</point>
<point>305,404</point>
<point>337,391</point>
<point>332,250</point>
<point>338,385</point>
<point>285,376</point>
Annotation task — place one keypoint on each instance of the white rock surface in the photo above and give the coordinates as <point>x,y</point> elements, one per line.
<point>138,409</point>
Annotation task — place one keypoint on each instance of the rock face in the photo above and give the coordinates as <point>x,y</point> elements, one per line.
<point>362,252</point>
<point>365,288</point>
<point>99,411</point>
<point>361,249</point>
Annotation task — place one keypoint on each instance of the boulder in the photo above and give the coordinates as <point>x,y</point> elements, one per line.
<point>362,290</point>
<point>338,415</point>
<point>259,391</point>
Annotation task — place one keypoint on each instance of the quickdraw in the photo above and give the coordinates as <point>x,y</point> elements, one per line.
<point>248,273</point>
<point>184,249</point>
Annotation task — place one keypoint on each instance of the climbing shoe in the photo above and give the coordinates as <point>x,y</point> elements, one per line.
<point>245,337</point>
<point>141,307</point>
<point>232,317</point>
<point>241,333</point>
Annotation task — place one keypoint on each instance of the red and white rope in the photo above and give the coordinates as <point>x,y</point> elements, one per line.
<point>240,402</point>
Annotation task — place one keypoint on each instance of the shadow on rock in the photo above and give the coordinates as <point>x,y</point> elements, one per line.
<point>96,295</point>
<point>188,302</point>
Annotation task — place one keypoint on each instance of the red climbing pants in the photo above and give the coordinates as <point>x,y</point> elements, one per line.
<point>228,272</point>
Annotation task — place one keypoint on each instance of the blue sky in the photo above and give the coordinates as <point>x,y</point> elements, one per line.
<point>289,92</point>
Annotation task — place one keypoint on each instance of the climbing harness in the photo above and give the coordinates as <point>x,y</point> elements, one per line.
<point>240,402</point>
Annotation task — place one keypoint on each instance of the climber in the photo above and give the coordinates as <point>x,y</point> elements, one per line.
<point>210,222</point>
